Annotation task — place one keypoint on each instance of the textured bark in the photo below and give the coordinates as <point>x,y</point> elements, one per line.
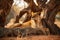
<point>5,6</point>
<point>50,14</point>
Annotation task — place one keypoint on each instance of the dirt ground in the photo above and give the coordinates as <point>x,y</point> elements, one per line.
<point>33,38</point>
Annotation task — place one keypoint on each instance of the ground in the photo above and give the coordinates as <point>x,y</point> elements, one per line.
<point>50,37</point>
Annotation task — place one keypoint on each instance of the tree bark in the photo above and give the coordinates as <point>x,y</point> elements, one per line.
<point>49,19</point>
<point>5,6</point>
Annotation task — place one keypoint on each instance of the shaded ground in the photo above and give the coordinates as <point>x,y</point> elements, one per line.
<point>33,38</point>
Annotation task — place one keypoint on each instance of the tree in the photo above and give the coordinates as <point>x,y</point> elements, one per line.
<point>49,17</point>
<point>5,6</point>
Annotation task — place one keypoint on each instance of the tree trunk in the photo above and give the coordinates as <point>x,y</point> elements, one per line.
<point>5,6</point>
<point>49,19</point>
